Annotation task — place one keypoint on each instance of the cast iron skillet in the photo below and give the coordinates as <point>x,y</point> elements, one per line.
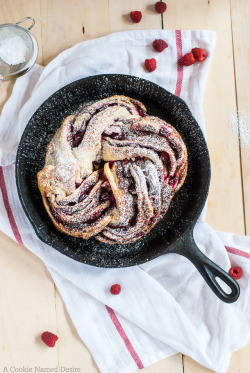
<point>174,234</point>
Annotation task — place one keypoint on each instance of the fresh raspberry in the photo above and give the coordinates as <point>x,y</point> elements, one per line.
<point>160,7</point>
<point>49,339</point>
<point>199,54</point>
<point>159,45</point>
<point>150,64</point>
<point>136,16</point>
<point>188,59</point>
<point>115,289</point>
<point>235,272</point>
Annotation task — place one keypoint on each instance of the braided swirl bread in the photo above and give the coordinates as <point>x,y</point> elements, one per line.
<point>111,171</point>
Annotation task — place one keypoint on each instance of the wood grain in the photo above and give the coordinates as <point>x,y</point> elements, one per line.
<point>191,366</point>
<point>63,21</point>
<point>240,11</point>
<point>172,364</point>
<point>120,19</point>
<point>27,308</point>
<point>72,350</point>
<point>240,361</point>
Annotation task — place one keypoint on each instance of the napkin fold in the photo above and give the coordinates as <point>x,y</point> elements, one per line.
<point>165,306</point>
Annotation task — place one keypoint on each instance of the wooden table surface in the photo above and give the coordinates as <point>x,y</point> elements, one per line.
<point>29,300</point>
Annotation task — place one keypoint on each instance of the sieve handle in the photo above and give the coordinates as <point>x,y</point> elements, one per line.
<point>32,19</point>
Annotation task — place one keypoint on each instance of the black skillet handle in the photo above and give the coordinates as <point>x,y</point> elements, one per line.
<point>208,269</point>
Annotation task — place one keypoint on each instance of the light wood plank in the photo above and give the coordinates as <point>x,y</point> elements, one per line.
<point>240,12</point>
<point>72,350</point>
<point>27,308</point>
<point>172,364</point>
<point>241,34</point>
<point>225,208</point>
<point>120,19</point>
<point>63,22</point>
<point>240,362</point>
<point>191,366</point>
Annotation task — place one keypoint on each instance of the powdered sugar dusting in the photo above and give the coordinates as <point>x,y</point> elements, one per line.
<point>123,204</point>
<point>71,99</point>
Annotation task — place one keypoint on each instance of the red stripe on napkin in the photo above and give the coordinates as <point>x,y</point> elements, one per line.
<point>179,65</point>
<point>6,202</point>
<point>237,252</point>
<point>124,337</point>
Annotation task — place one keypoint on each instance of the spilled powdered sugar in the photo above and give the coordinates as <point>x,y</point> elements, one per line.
<point>240,127</point>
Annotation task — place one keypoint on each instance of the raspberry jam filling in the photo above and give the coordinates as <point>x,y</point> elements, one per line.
<point>151,221</point>
<point>165,158</point>
<point>141,112</point>
<point>111,164</point>
<point>53,211</point>
<point>112,201</point>
<point>139,109</point>
<point>133,220</point>
<point>117,136</point>
<point>166,177</point>
<point>75,139</point>
<point>106,192</point>
<point>132,189</point>
<point>78,184</point>
<point>164,131</point>
<point>103,107</point>
<point>85,192</point>
<point>95,215</point>
<point>173,183</point>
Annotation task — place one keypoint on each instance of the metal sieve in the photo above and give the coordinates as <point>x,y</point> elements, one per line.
<point>14,71</point>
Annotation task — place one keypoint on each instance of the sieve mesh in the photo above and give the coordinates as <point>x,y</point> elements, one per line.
<point>13,71</point>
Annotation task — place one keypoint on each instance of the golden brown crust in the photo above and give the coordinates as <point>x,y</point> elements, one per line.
<point>111,171</point>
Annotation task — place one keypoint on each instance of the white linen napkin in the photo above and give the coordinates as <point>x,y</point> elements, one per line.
<point>165,306</point>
